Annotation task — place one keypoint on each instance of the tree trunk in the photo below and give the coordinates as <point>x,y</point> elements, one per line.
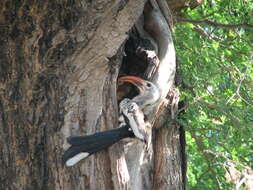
<point>59,63</point>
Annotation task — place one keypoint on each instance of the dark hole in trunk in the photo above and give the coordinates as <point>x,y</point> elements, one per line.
<point>134,63</point>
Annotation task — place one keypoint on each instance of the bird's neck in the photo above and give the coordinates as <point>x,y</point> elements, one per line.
<point>143,101</point>
<point>140,101</point>
<point>146,101</point>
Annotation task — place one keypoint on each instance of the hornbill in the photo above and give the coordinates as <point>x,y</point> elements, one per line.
<point>131,120</point>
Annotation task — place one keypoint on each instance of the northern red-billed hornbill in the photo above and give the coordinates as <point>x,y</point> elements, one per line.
<point>132,123</point>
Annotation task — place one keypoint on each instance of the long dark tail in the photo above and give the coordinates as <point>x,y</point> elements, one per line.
<point>84,146</point>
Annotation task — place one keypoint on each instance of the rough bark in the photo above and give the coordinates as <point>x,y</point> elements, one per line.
<point>168,173</point>
<point>177,5</point>
<point>59,62</point>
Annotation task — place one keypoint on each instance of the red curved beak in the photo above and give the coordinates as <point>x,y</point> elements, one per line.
<point>138,82</point>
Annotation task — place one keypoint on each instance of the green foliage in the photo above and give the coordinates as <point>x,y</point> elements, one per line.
<point>217,72</point>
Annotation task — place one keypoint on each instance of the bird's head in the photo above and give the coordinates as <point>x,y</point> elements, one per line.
<point>148,92</point>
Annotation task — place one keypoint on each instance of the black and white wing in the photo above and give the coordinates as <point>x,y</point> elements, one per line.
<point>134,118</point>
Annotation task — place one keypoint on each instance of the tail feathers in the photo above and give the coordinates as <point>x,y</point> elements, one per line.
<point>121,132</point>
<point>84,146</point>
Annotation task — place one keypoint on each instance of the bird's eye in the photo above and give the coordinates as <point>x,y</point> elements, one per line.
<point>148,85</point>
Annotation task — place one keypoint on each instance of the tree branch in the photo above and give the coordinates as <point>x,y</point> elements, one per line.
<point>203,33</point>
<point>209,159</point>
<point>214,24</point>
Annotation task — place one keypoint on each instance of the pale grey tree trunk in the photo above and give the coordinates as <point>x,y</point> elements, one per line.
<point>59,63</point>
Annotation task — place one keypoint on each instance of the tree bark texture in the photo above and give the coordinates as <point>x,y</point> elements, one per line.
<point>59,63</point>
